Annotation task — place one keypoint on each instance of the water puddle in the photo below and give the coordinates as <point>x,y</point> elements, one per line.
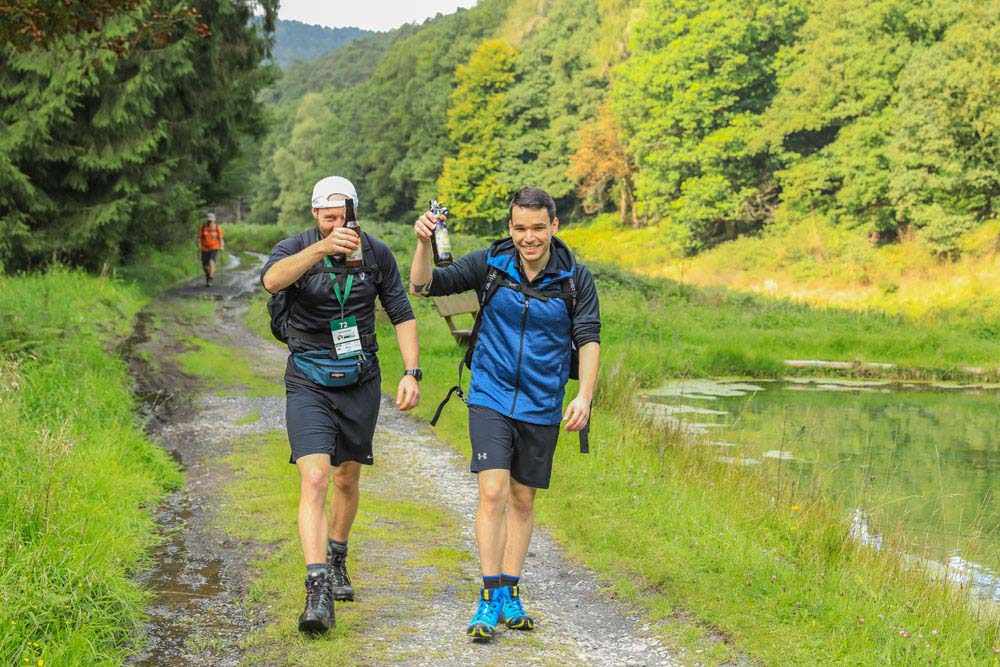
<point>187,590</point>
<point>198,574</point>
<point>923,457</point>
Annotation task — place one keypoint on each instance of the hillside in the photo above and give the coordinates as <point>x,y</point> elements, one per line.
<point>295,41</point>
<point>700,122</point>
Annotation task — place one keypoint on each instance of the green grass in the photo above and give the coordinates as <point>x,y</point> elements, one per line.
<point>256,238</point>
<point>227,370</point>
<point>251,417</point>
<point>714,548</point>
<point>813,261</point>
<point>78,477</point>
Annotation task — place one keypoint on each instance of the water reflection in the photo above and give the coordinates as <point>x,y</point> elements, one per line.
<point>920,459</point>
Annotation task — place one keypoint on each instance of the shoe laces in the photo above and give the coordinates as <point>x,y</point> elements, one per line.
<point>512,607</point>
<point>485,610</point>
<point>338,571</point>
<point>316,590</point>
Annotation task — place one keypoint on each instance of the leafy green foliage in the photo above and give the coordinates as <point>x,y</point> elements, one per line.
<point>687,98</point>
<point>477,120</point>
<point>704,119</point>
<point>113,138</point>
<point>946,142</point>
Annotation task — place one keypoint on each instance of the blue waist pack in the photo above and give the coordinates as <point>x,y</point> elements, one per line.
<point>319,367</point>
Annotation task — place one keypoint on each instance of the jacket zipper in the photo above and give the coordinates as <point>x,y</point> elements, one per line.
<point>520,354</point>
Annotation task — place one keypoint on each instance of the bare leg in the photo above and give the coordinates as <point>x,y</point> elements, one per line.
<point>520,522</point>
<point>314,475</point>
<point>494,488</point>
<point>344,504</point>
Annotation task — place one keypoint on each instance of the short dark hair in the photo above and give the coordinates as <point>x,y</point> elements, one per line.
<point>535,198</point>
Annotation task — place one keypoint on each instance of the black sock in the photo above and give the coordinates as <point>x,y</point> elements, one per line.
<point>337,548</point>
<point>492,581</point>
<point>509,580</point>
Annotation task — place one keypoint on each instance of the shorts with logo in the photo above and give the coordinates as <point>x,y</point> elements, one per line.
<point>499,442</point>
<point>338,422</point>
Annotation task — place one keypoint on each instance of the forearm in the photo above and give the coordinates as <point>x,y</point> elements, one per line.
<point>590,356</point>
<point>409,348</point>
<point>422,269</point>
<point>286,271</point>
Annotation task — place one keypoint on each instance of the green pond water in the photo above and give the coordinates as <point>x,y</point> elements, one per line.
<point>919,462</point>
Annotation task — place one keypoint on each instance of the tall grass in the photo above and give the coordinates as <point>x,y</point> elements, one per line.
<point>816,262</point>
<point>78,478</point>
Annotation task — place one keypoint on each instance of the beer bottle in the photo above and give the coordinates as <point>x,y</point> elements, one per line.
<point>440,242</point>
<point>355,259</point>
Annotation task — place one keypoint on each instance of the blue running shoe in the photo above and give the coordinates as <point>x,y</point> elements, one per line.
<point>512,611</point>
<point>484,621</point>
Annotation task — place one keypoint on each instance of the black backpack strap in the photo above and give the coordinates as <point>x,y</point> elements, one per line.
<point>457,389</point>
<point>490,287</point>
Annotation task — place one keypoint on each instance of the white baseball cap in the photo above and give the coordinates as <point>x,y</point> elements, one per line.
<point>330,192</point>
<point>210,217</point>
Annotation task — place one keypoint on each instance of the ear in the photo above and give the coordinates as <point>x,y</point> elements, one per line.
<point>555,225</point>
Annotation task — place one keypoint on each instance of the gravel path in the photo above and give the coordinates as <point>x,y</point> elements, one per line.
<point>200,577</point>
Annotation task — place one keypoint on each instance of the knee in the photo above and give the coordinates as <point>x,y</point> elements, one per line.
<point>522,503</point>
<point>346,484</point>
<point>315,480</point>
<point>492,497</point>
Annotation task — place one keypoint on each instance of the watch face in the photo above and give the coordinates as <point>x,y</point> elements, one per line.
<point>417,374</point>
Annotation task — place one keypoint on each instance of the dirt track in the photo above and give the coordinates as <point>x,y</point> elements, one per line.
<point>201,574</point>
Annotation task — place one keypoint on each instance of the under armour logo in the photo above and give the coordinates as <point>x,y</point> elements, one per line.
<point>481,456</point>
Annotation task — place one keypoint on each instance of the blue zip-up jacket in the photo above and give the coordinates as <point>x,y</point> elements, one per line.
<point>521,361</point>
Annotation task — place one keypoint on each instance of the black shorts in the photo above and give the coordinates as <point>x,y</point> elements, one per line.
<point>208,256</point>
<point>499,442</point>
<point>339,422</point>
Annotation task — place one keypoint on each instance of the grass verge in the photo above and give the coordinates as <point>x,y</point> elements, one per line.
<point>78,477</point>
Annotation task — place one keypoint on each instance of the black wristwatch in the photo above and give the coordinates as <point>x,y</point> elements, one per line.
<point>417,374</point>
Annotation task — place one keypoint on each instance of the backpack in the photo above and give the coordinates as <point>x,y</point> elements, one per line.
<point>280,305</point>
<point>493,282</point>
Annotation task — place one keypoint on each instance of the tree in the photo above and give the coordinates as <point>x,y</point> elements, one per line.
<point>602,168</point>
<point>687,100</point>
<point>104,148</point>
<point>834,115</point>
<point>944,153</point>
<point>478,119</point>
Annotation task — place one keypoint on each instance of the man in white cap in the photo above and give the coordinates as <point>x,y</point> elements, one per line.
<point>332,379</point>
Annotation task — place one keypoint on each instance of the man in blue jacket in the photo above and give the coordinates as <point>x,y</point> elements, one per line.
<point>540,304</point>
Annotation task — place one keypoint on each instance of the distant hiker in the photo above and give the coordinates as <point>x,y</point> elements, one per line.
<point>325,312</point>
<point>537,303</point>
<point>211,241</point>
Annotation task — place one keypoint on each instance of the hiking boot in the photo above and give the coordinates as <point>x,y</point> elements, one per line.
<point>484,622</point>
<point>318,616</point>
<point>511,610</point>
<point>340,583</point>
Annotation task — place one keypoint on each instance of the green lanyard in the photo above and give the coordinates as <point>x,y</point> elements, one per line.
<point>335,288</point>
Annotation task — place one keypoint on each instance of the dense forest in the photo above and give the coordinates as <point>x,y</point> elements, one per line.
<point>705,119</point>
<point>295,41</point>
<point>119,119</point>
<point>699,120</point>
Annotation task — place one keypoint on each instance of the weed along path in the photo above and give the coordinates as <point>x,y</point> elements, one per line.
<point>227,581</point>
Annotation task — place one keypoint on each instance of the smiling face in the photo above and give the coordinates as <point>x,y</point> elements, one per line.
<point>328,219</point>
<point>532,232</point>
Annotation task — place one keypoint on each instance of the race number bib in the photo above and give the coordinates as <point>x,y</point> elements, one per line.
<point>346,338</point>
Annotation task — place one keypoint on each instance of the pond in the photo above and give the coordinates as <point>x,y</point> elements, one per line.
<point>921,461</point>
